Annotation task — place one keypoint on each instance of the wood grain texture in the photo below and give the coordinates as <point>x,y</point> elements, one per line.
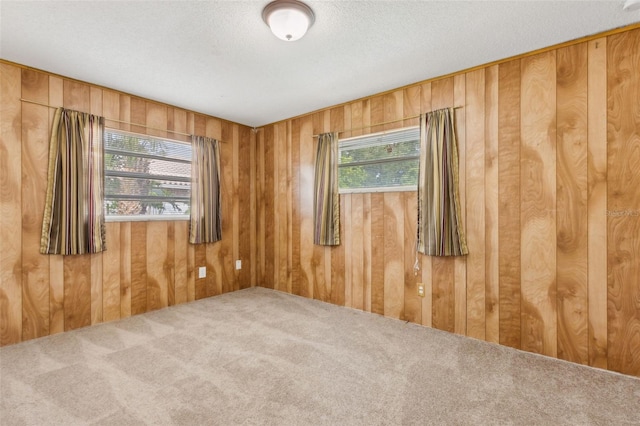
<point>338,279</point>
<point>147,265</point>
<point>111,274</point>
<point>491,207</point>
<point>623,202</point>
<point>125,269</point>
<point>535,307</point>
<point>356,236</point>
<point>475,164</point>
<point>412,302</point>
<point>597,201</point>
<point>138,243</point>
<point>347,234</point>
<point>509,242</point>
<point>571,201</point>
<point>460,262</point>
<point>35,152</point>
<point>538,198</point>
<point>181,262</point>
<point>393,264</point>
<point>56,263</point>
<point>426,262</point>
<point>377,253</point>
<point>307,145</point>
<point>156,283</point>
<point>524,282</point>
<point>77,291</point>
<point>10,205</point>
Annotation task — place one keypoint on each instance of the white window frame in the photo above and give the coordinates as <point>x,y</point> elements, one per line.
<point>373,139</point>
<point>150,217</point>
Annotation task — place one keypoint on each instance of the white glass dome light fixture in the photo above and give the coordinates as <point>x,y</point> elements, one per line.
<point>289,20</point>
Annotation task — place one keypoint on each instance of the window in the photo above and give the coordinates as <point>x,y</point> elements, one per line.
<point>146,176</point>
<point>386,161</point>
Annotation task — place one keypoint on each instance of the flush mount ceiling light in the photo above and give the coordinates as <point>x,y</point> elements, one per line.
<point>289,20</point>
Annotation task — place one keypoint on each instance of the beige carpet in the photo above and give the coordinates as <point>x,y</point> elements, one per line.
<point>262,357</point>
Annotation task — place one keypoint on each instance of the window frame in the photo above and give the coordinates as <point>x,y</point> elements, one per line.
<point>353,142</point>
<point>146,217</point>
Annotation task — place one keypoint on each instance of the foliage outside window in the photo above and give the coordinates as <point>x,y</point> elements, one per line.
<point>386,161</point>
<point>146,177</point>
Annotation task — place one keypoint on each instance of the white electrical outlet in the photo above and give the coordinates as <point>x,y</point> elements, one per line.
<point>238,264</point>
<point>202,272</point>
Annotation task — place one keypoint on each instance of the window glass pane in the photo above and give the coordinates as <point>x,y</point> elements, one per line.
<point>146,175</point>
<point>379,175</point>
<point>384,160</point>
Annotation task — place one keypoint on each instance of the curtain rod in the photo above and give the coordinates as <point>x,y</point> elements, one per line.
<point>385,122</point>
<point>116,121</point>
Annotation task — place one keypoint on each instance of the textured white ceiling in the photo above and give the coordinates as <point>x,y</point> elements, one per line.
<point>219,58</point>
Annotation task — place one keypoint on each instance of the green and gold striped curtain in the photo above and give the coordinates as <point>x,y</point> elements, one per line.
<point>326,206</point>
<point>440,230</point>
<point>73,220</point>
<point>206,218</point>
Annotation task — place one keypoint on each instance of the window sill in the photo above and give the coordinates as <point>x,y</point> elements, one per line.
<point>379,189</point>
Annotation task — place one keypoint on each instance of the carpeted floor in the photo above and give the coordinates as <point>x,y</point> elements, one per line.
<point>262,357</point>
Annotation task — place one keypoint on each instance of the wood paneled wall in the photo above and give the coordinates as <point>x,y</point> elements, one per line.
<point>147,265</point>
<point>550,184</point>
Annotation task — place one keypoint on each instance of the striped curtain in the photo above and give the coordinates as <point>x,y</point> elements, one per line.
<point>73,220</point>
<point>326,207</point>
<point>206,219</point>
<point>440,231</point>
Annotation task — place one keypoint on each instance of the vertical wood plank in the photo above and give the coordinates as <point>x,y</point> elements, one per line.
<point>191,251</point>
<point>597,201</point>
<point>426,262</point>
<point>156,283</point>
<point>10,205</point>
<point>243,217</point>
<point>509,199</point>
<point>295,208</point>
<point>476,260</point>
<point>95,95</point>
<point>35,151</point>
<point>623,201</point>
<point>377,253</point>
<point>491,219</point>
<point>336,116</point>
<point>77,291</point>
<point>367,244</point>
<point>571,201</point>
<point>111,273</point>
<point>412,302</point>
<point>181,261</point>
<point>125,269</point>
<point>460,263</point>
<point>357,251</point>
<point>56,263</point>
<point>139,267</point>
<point>538,201</point>
<point>224,249</point>
<point>169,267</point>
<point>393,255</point>
<point>269,198</point>
<point>307,145</point>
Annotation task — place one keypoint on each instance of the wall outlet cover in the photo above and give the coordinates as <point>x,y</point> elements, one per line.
<point>202,272</point>
<point>238,264</point>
